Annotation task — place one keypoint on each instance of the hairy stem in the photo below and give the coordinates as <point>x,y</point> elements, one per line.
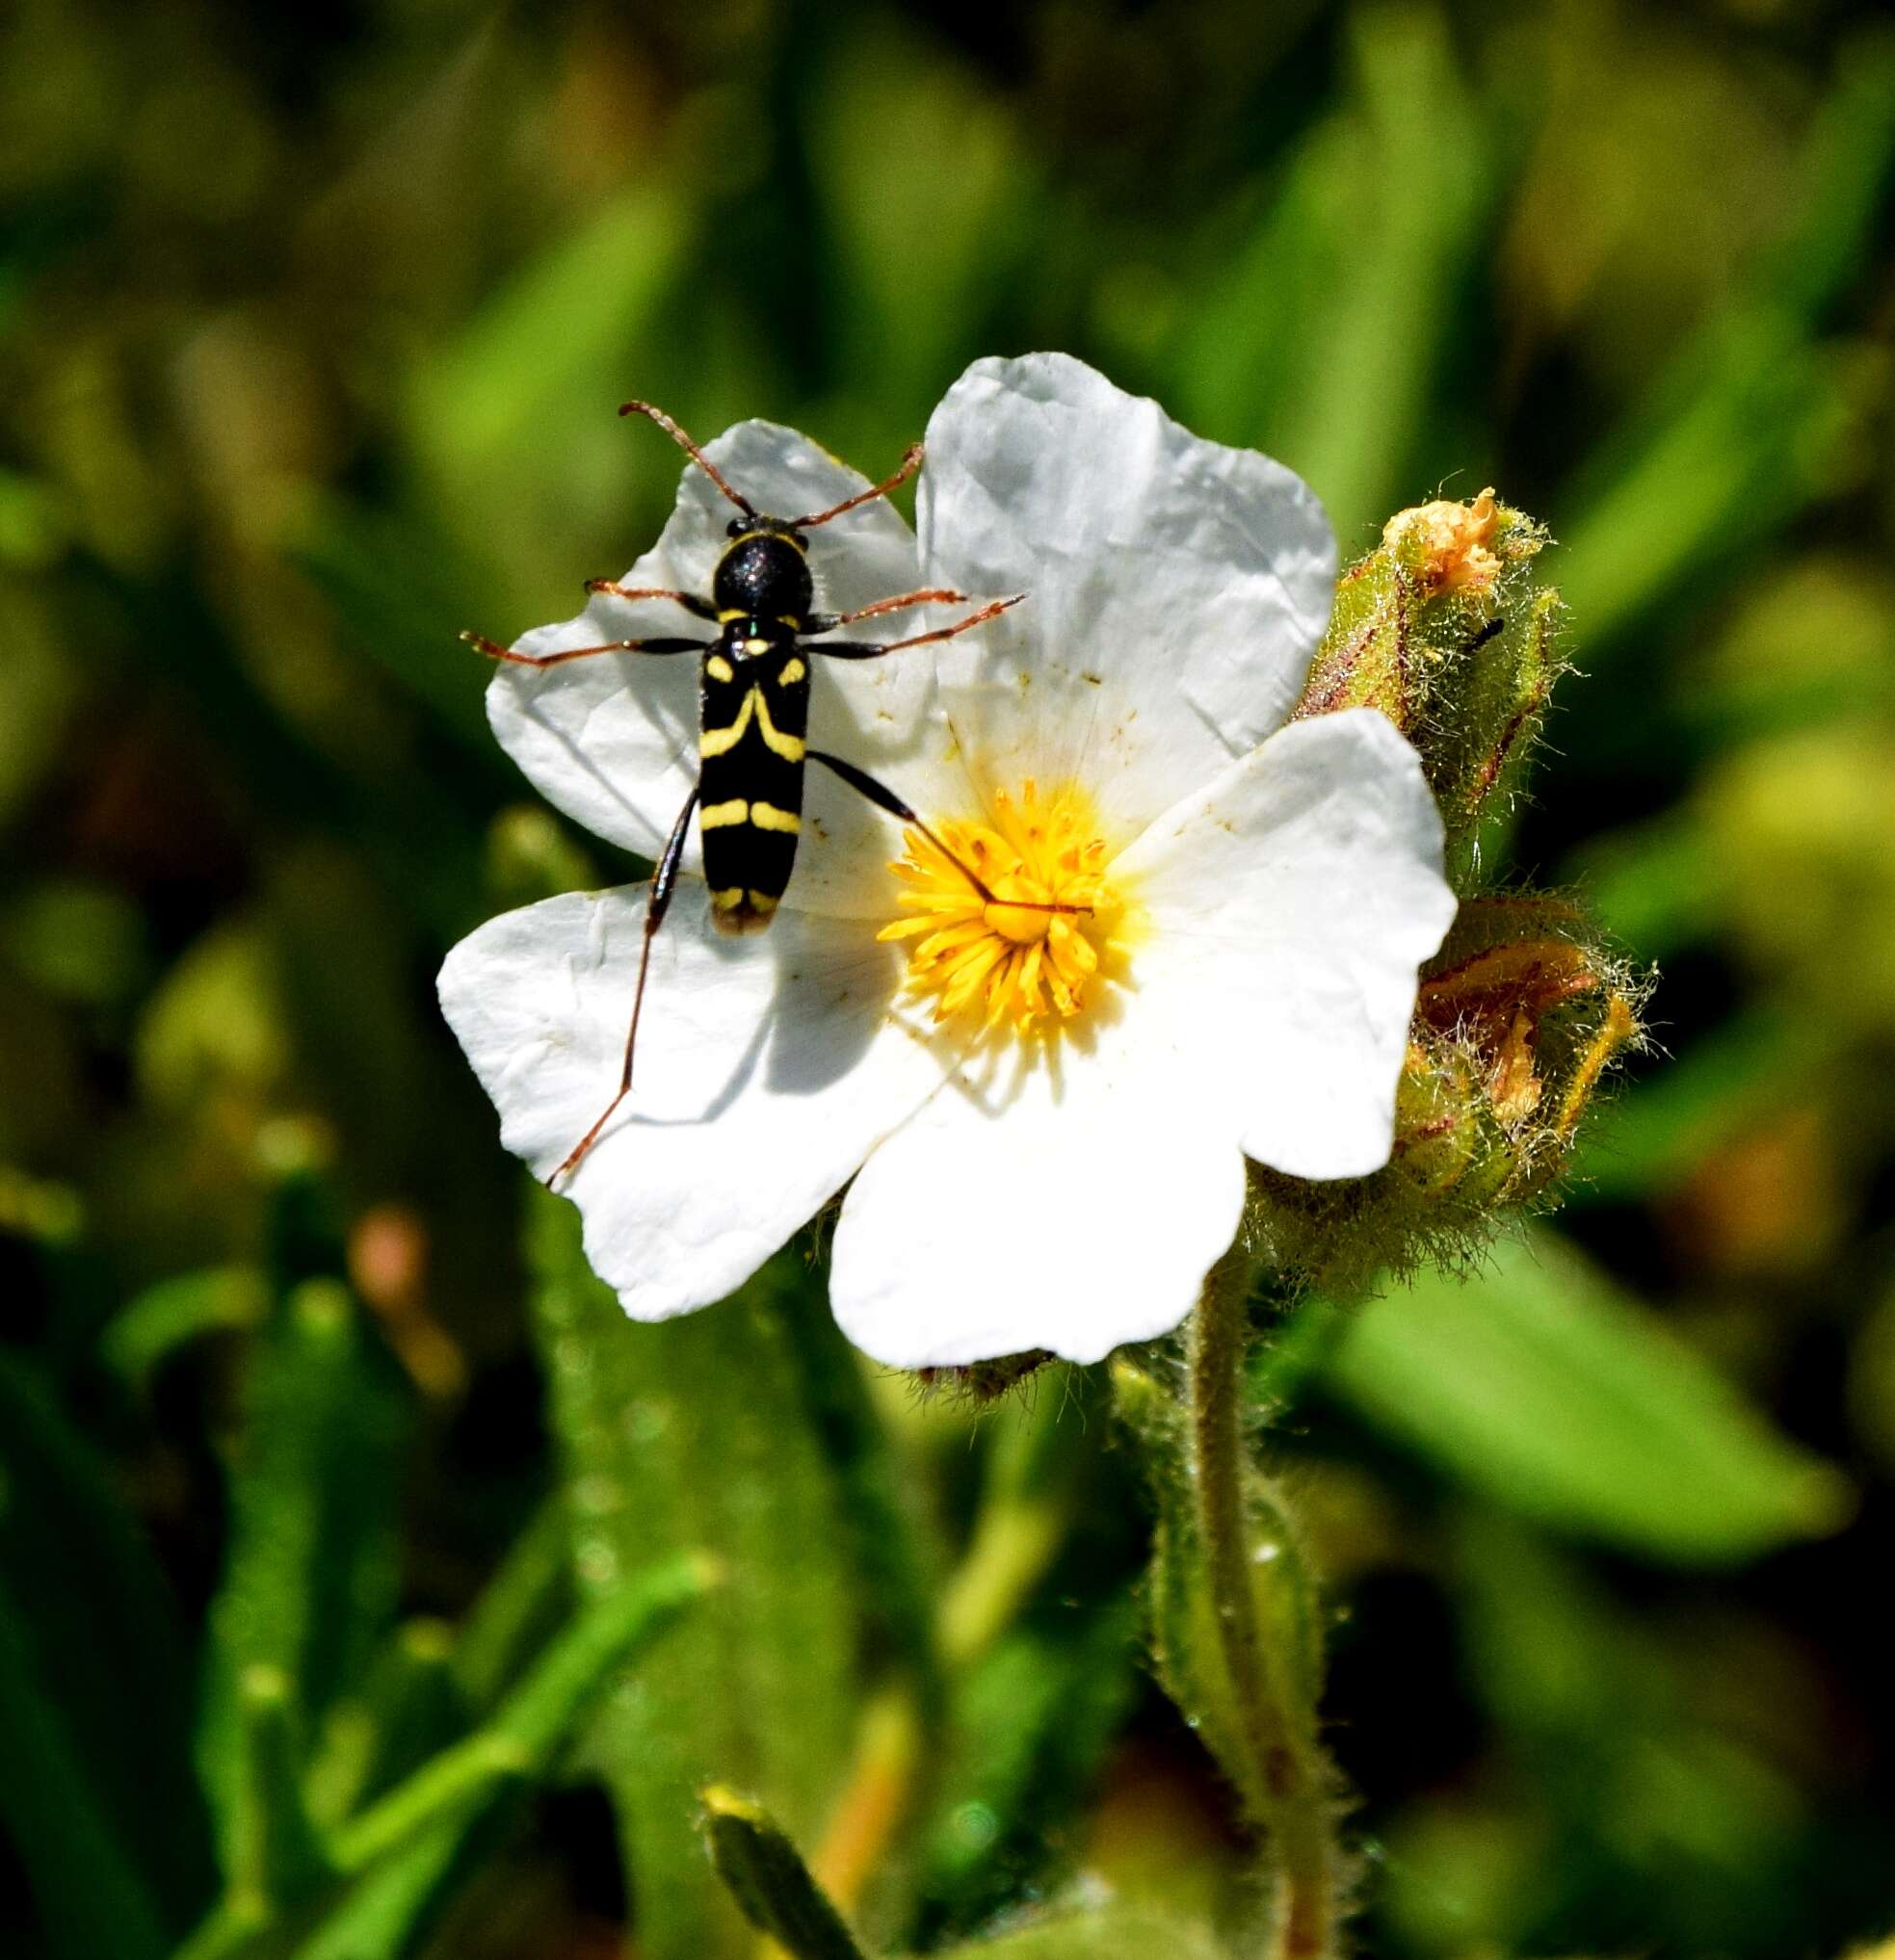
<point>1289,1783</point>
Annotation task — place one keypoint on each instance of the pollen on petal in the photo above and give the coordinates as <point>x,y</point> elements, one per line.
<point>1032,944</point>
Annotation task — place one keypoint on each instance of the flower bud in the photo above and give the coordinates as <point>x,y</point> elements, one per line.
<point>773,1888</point>
<point>1441,628</point>
<point>1517,1020</point>
<point>1448,547</point>
<point>1444,628</point>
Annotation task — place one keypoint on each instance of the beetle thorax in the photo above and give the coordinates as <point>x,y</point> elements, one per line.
<point>764,575</point>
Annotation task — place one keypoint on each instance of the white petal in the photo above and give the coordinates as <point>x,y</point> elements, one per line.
<point>767,1070</point>
<point>1287,909</point>
<point>1176,589</point>
<point>882,715</point>
<point>613,740</point>
<point>1071,1206</point>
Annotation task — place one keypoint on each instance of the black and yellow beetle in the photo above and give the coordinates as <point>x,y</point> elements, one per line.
<point>753,715</point>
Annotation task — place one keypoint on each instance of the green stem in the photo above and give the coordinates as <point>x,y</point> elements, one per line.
<point>1289,1783</point>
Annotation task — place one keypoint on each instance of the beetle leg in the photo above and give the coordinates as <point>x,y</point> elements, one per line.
<point>664,882</point>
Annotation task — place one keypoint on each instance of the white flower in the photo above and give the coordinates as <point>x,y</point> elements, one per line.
<point>1045,1115</point>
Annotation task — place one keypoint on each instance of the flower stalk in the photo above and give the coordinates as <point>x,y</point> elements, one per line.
<point>1283,1776</point>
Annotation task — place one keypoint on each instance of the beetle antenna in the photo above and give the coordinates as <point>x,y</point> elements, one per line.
<point>910,462</point>
<point>691,449</point>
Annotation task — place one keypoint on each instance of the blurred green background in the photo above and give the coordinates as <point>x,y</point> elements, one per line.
<point>312,324</point>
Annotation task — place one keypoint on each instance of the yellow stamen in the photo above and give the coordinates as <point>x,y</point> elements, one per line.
<point>1013,959</point>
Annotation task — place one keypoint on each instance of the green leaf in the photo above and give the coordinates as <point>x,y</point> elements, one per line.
<point>164,1317</point>
<point>513,419</point>
<point>1321,338</point>
<point>1660,886</point>
<point>97,1793</point>
<point>391,1910</point>
<point>278,1857</point>
<point>1630,1740</point>
<point>397,1864</point>
<point>960,178</point>
<point>408,1706</point>
<point>1732,1078</point>
<point>1742,430</point>
<point>413,1848</point>
<point>766,1875</point>
<point>696,1431</point>
<point>1035,1468</point>
<point>311,1573</point>
<point>536,1717</point>
<point>91,1899</point>
<point>401,593</point>
<point>558,325</point>
<point>1410,247</point>
<point>1033,1719</point>
<point>883,1539</point>
<point>1561,1398</point>
<point>519,1608</point>
<point>1246,343</point>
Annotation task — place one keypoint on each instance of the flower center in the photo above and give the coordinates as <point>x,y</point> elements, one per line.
<point>1014,958</point>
